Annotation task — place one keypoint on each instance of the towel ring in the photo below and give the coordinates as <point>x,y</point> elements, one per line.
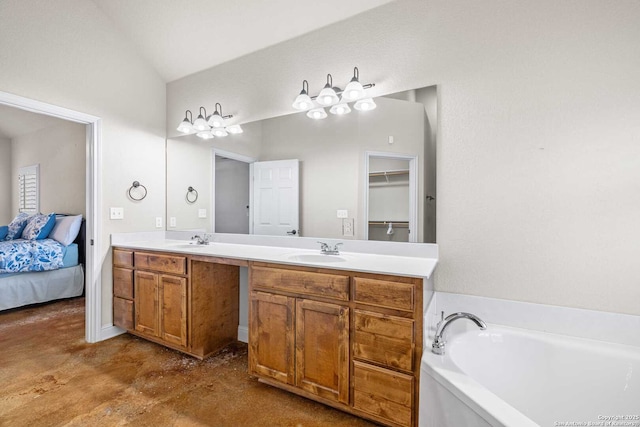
<point>136,184</point>
<point>191,199</point>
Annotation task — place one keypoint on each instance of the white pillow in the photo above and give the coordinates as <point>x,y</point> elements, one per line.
<point>66,229</point>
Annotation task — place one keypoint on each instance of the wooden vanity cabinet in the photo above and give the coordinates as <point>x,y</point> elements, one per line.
<point>182,302</point>
<point>350,340</point>
<point>294,338</point>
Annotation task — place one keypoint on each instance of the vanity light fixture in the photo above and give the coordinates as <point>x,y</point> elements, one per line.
<point>340,109</point>
<point>364,104</point>
<point>208,127</point>
<point>327,95</point>
<point>205,134</point>
<point>354,89</point>
<point>186,126</point>
<point>303,101</point>
<point>335,98</point>
<point>317,114</point>
<point>216,120</point>
<point>219,132</point>
<point>234,129</point>
<point>201,123</point>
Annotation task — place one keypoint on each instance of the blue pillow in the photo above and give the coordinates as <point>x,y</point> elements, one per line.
<point>3,231</point>
<point>16,226</point>
<point>39,226</point>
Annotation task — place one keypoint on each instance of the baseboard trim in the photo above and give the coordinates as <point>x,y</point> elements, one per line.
<point>243,334</point>
<point>110,331</point>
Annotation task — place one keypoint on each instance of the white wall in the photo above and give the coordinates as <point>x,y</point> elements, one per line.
<point>60,152</point>
<point>69,54</point>
<point>538,139</point>
<point>6,214</point>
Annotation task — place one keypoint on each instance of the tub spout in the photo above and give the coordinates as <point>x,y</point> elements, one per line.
<point>438,342</point>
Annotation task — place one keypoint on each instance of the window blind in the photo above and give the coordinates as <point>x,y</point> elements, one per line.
<point>28,189</point>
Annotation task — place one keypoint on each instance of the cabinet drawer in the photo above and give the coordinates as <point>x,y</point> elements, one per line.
<point>384,293</point>
<point>383,393</point>
<point>164,263</point>
<point>123,282</point>
<point>387,340</point>
<point>301,282</point>
<point>122,258</point>
<point>123,313</point>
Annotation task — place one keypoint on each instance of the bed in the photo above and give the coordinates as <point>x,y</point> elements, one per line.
<point>37,271</point>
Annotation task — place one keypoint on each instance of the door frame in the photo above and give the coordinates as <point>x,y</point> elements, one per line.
<point>233,156</point>
<point>93,125</point>
<point>413,191</point>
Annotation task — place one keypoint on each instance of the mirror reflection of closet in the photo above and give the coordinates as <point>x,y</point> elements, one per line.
<point>389,197</point>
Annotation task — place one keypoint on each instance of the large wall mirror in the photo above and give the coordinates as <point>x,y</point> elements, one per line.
<point>375,169</point>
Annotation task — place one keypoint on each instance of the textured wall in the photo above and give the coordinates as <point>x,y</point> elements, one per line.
<point>69,54</point>
<point>60,151</point>
<point>539,139</point>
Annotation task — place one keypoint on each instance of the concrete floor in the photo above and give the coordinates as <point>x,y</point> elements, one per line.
<point>50,376</point>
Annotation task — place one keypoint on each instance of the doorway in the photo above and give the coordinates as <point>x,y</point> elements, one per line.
<point>232,193</point>
<point>391,209</point>
<point>93,287</point>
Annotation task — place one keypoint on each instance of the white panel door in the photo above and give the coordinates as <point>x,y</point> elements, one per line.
<point>276,198</point>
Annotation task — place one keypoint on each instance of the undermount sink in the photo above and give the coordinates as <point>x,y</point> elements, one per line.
<point>188,245</point>
<point>316,258</point>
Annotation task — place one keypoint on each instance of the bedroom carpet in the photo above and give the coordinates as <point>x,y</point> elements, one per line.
<point>51,377</point>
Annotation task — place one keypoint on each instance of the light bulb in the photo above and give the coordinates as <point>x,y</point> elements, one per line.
<point>340,109</point>
<point>317,114</point>
<point>205,134</point>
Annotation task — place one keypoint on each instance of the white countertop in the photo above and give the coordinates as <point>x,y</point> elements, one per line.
<point>365,262</point>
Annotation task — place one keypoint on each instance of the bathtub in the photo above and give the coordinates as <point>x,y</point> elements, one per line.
<point>505,376</point>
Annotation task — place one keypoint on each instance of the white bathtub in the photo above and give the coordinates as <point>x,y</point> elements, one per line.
<point>513,377</point>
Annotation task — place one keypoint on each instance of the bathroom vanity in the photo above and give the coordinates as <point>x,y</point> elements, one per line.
<point>347,333</point>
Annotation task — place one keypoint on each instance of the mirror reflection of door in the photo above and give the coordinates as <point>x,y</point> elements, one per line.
<point>276,197</point>
<point>389,213</point>
<point>231,196</point>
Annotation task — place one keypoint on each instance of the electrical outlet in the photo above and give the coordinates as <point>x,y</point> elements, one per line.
<point>172,221</point>
<point>343,213</point>
<point>347,227</point>
<point>158,222</point>
<point>202,213</point>
<point>116,213</point>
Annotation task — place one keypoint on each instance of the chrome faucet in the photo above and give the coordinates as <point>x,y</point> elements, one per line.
<point>438,342</point>
<point>325,249</point>
<point>204,240</point>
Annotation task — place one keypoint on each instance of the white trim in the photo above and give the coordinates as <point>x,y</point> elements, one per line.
<point>243,334</point>
<point>110,331</point>
<point>93,285</point>
<point>413,191</point>
<point>233,156</point>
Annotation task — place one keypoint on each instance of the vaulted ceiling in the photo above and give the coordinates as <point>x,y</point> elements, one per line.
<point>180,37</point>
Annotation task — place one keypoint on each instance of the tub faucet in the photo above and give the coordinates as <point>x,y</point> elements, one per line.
<point>438,342</point>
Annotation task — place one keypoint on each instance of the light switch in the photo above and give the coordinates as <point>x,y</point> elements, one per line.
<point>343,213</point>
<point>202,213</point>
<point>116,213</point>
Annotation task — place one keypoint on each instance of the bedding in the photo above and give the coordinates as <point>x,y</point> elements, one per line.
<point>22,289</point>
<point>30,255</point>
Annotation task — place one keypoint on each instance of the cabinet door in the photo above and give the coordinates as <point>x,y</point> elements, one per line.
<point>322,349</point>
<point>271,336</point>
<point>173,309</point>
<point>146,303</point>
